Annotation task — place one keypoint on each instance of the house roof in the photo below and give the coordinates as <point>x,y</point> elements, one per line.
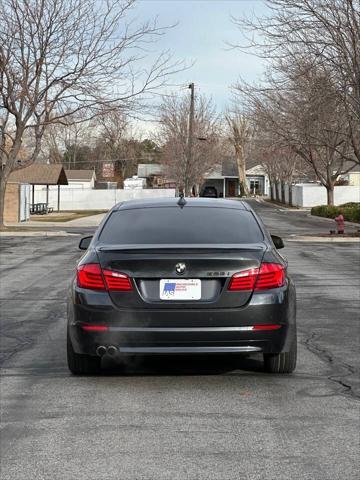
<point>257,169</point>
<point>40,174</point>
<point>355,168</point>
<point>84,175</point>
<point>228,168</point>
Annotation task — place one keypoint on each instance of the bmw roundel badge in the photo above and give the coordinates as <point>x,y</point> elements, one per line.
<point>180,268</point>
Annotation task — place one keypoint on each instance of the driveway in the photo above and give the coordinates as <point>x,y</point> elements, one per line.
<point>188,418</point>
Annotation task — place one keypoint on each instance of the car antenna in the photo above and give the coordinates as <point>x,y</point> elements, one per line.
<point>181,202</point>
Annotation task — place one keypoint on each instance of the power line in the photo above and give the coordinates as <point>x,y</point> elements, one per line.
<point>76,162</point>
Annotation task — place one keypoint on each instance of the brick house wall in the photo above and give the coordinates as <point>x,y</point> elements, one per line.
<point>12,200</point>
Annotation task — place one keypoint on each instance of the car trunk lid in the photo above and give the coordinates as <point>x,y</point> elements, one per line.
<point>213,266</point>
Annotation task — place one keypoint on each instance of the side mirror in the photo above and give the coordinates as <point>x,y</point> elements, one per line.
<point>278,242</point>
<point>85,242</point>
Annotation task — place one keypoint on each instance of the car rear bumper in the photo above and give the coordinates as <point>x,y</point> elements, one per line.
<point>185,342</point>
<point>184,330</point>
<point>148,350</point>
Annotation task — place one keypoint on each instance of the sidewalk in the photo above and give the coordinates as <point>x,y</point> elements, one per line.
<point>283,206</point>
<point>39,229</point>
<point>37,233</point>
<point>286,208</point>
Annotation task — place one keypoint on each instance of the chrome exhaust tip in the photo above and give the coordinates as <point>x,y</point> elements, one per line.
<point>112,351</point>
<point>100,351</point>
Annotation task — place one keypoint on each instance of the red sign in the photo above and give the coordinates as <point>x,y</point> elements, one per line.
<point>108,170</point>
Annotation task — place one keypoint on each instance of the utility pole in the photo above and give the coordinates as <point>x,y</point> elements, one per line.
<point>190,139</point>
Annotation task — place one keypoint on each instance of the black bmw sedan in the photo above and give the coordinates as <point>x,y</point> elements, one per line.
<point>181,276</point>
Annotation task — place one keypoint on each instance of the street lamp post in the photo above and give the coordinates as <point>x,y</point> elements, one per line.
<point>190,138</point>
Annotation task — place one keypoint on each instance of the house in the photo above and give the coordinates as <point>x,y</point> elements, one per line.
<point>154,174</point>
<point>257,179</point>
<point>224,177</point>
<point>41,177</point>
<point>81,178</point>
<point>352,177</point>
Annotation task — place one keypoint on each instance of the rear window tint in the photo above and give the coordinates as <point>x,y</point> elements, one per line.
<point>188,225</point>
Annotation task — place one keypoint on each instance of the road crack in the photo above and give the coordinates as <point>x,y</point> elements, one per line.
<point>337,367</point>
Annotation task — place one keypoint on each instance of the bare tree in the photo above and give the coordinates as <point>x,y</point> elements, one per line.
<point>280,163</point>
<point>240,133</point>
<point>67,138</point>
<point>310,98</point>
<point>324,32</point>
<point>113,128</point>
<point>174,116</point>
<point>60,57</point>
<point>305,115</point>
<point>51,147</point>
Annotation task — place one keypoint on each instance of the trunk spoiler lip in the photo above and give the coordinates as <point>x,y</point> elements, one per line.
<point>261,246</point>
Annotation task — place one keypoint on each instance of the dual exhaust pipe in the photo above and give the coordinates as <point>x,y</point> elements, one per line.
<point>111,350</point>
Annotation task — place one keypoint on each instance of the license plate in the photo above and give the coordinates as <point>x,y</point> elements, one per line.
<point>180,289</point>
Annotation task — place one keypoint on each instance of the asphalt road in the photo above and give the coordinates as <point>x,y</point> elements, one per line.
<point>205,418</point>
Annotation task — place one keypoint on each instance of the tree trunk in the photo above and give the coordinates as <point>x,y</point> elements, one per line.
<point>330,194</point>
<point>187,187</point>
<point>8,166</point>
<point>282,191</point>
<point>271,187</point>
<point>277,192</point>
<point>290,195</point>
<point>2,199</point>
<point>240,160</point>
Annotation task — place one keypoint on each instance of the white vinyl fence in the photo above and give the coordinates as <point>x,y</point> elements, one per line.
<point>90,199</point>
<point>24,206</point>
<point>311,195</point>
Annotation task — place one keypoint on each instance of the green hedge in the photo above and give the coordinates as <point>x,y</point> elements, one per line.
<point>350,211</point>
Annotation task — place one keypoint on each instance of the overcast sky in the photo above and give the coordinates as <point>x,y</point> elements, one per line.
<point>204,27</point>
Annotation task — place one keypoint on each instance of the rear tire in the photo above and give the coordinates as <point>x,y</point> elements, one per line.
<point>81,364</point>
<point>284,362</point>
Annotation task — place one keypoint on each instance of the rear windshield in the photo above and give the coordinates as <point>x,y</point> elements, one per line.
<point>189,225</point>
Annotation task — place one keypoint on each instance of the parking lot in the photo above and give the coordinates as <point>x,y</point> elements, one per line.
<point>181,418</point>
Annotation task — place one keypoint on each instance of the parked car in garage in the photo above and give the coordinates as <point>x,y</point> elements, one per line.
<point>209,192</point>
<point>169,276</point>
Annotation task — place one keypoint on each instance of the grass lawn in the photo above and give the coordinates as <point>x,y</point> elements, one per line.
<point>65,216</point>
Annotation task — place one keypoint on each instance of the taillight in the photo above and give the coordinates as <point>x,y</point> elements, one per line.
<point>244,280</point>
<point>92,277</point>
<point>95,328</point>
<point>117,281</point>
<point>266,327</point>
<point>269,275</point>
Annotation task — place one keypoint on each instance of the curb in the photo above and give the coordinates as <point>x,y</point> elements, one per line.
<point>60,233</point>
<point>351,224</point>
<point>282,207</point>
<point>323,239</point>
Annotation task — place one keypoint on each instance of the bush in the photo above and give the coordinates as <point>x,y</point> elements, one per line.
<point>350,211</point>
<point>351,204</point>
<point>325,211</point>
